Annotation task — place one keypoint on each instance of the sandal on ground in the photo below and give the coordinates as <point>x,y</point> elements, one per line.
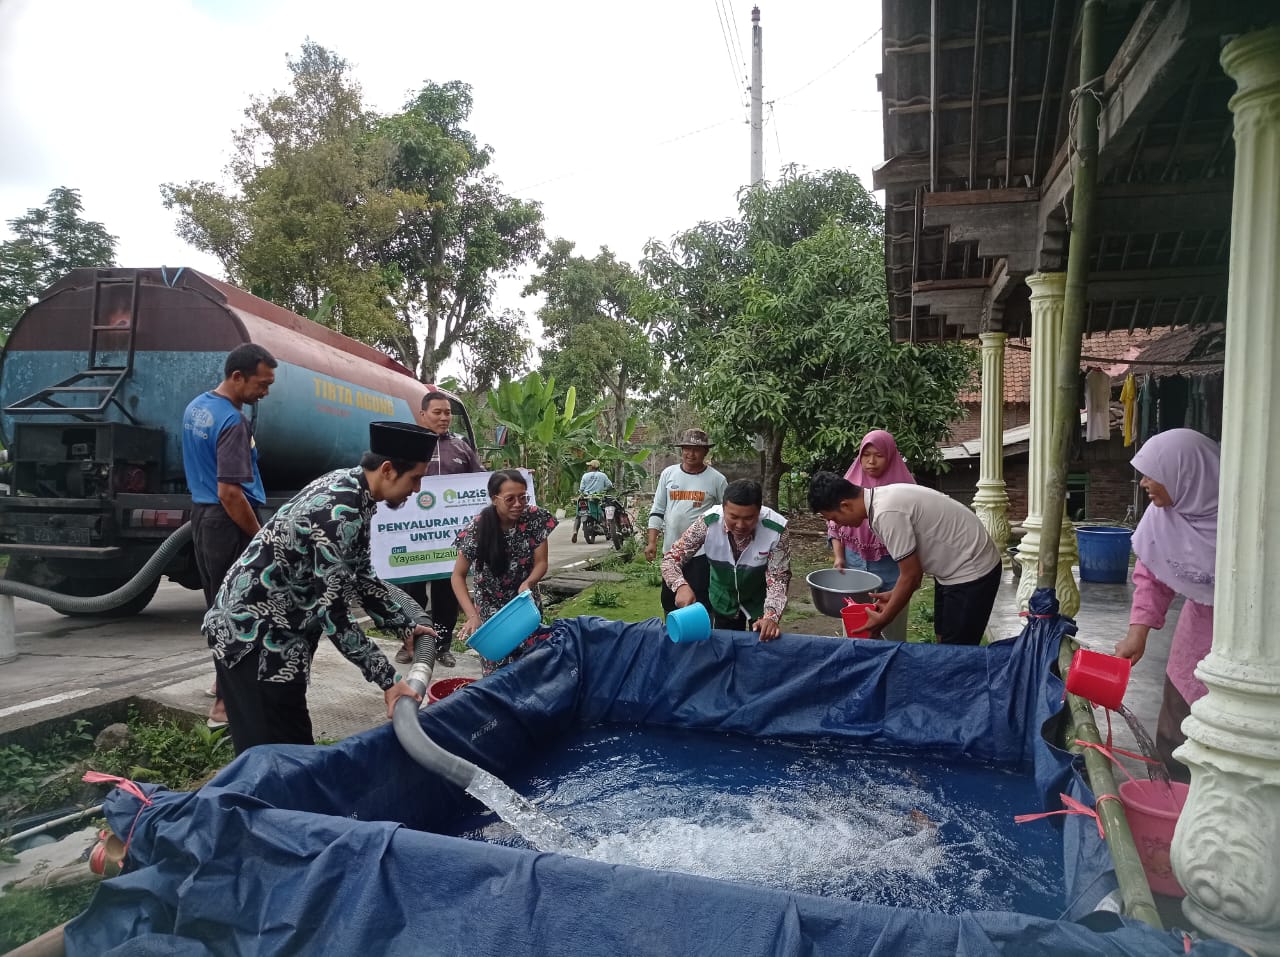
<point>213,724</point>
<point>404,656</point>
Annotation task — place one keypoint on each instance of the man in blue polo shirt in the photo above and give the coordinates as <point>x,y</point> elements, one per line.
<point>221,463</point>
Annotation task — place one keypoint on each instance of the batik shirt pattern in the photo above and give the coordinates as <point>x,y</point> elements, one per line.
<point>296,581</point>
<point>490,591</point>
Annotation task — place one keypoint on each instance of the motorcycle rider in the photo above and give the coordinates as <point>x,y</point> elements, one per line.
<point>593,484</point>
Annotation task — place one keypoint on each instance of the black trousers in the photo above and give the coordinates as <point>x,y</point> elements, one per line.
<point>961,612</point>
<point>217,541</point>
<point>736,623</point>
<point>443,606</point>
<point>262,712</point>
<point>697,572</point>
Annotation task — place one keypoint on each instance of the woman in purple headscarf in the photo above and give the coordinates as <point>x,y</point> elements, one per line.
<point>1176,545</point>
<point>878,463</point>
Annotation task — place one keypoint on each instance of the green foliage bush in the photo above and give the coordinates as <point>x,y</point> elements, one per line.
<point>165,752</point>
<point>29,779</point>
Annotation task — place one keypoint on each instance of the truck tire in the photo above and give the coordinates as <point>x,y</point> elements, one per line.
<point>98,586</point>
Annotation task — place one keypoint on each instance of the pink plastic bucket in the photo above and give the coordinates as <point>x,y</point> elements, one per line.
<point>1152,810</point>
<point>1099,678</point>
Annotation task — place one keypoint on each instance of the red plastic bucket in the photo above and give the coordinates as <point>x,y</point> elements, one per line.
<point>1099,678</point>
<point>1152,810</point>
<point>445,687</point>
<point>855,620</point>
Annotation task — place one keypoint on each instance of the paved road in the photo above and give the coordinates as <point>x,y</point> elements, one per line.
<point>66,665</point>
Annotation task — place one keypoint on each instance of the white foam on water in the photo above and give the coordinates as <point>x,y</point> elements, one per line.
<point>864,831</point>
<point>803,844</point>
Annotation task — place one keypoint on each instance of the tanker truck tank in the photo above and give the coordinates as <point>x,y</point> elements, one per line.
<point>93,383</point>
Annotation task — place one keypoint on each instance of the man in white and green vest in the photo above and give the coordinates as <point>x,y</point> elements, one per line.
<point>749,555</point>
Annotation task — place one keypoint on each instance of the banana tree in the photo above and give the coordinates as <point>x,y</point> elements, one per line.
<point>552,440</point>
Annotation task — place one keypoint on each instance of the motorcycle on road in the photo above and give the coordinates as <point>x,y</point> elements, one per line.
<point>604,516</point>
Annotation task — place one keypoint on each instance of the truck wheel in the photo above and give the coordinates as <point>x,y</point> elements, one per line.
<point>97,586</point>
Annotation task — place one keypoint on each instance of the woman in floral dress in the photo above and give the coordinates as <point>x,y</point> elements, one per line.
<point>506,548</point>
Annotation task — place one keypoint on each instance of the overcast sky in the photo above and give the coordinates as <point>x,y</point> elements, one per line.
<point>625,120</point>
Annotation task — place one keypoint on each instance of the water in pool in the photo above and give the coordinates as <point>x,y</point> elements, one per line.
<point>818,818</point>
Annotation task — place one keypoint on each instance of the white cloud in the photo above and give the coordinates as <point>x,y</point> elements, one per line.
<point>586,103</point>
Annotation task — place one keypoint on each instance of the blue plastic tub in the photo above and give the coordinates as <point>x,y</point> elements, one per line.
<point>514,622</point>
<point>1104,553</point>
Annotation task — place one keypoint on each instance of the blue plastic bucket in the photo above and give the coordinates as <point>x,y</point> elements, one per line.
<point>691,623</point>
<point>514,622</point>
<point>1104,553</point>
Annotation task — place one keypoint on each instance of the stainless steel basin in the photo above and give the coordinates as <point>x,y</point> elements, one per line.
<point>831,586</point>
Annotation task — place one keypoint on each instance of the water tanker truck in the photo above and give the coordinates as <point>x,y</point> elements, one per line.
<point>93,383</point>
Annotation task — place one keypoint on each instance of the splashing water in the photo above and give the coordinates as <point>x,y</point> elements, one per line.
<point>821,818</point>
<point>541,831</point>
<point>1156,771</point>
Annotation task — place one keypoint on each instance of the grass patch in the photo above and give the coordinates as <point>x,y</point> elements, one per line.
<point>28,913</point>
<point>635,600</point>
<point>604,596</point>
<point>158,751</point>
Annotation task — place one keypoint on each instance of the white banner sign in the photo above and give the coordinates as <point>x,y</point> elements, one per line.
<point>415,541</point>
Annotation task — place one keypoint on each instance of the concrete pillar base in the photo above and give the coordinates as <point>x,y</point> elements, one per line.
<point>8,631</point>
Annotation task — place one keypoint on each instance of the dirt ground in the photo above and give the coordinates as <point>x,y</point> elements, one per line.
<point>809,551</point>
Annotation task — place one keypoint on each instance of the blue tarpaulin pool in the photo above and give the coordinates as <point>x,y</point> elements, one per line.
<point>345,849</point>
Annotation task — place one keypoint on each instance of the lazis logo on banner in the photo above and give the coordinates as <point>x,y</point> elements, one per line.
<point>415,542</point>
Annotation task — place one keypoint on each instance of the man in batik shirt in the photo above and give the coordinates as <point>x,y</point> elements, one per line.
<point>295,583</point>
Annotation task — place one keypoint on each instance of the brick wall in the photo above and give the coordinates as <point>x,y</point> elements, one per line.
<point>970,427</point>
<point>1110,482</point>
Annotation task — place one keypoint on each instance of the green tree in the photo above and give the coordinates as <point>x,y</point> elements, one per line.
<point>308,214</point>
<point>593,340</point>
<point>496,350</point>
<point>386,228</point>
<point>788,309</point>
<point>447,254</point>
<point>48,242</point>
<point>552,436</point>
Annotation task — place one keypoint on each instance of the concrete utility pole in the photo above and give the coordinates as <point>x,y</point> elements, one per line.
<point>757,104</point>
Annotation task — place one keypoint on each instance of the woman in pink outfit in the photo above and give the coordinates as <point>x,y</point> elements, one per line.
<point>878,463</point>
<point>1176,545</point>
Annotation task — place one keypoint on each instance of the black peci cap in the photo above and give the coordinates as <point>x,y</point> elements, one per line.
<point>402,441</point>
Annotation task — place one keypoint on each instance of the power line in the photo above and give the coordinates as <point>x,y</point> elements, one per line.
<point>773,118</point>
<point>829,69</point>
<point>728,49</point>
<point>737,36</point>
